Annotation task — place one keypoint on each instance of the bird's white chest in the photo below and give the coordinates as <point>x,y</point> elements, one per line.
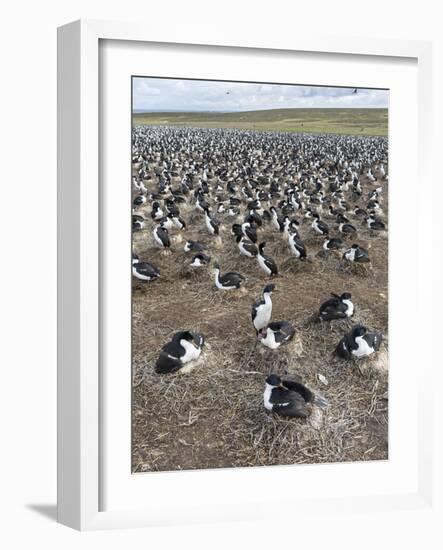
<point>263,315</point>
<point>243,250</point>
<point>269,341</point>
<point>350,305</point>
<point>294,249</point>
<point>139,275</point>
<point>191,352</point>
<point>209,226</point>
<point>262,264</point>
<point>350,254</point>
<point>363,348</point>
<point>267,397</point>
<point>219,285</point>
<point>316,227</point>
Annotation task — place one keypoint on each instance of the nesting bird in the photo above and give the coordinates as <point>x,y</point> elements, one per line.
<point>144,270</point>
<point>359,342</point>
<point>200,260</point>
<point>276,334</point>
<point>289,398</point>
<point>356,254</point>
<point>184,347</point>
<point>228,281</point>
<point>337,307</point>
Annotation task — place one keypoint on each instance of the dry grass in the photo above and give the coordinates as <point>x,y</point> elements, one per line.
<point>214,416</point>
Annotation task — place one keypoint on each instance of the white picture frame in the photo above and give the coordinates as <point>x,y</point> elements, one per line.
<point>80,410</point>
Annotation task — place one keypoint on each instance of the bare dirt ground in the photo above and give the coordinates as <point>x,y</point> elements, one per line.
<point>214,417</point>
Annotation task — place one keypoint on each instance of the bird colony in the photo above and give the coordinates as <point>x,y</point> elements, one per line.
<point>260,325</point>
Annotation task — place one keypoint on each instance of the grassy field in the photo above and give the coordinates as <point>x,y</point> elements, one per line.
<point>369,122</point>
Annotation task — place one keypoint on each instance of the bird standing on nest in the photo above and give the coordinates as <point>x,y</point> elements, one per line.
<point>262,309</point>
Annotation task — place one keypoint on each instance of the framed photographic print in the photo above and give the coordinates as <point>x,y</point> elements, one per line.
<point>238,308</point>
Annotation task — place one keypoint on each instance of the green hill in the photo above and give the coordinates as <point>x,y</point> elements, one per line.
<point>370,122</point>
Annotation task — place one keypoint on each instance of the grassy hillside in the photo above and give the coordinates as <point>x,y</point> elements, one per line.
<point>370,122</point>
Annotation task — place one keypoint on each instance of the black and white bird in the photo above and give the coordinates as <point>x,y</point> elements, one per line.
<point>276,334</point>
<point>246,247</point>
<point>356,254</point>
<point>347,228</point>
<point>261,311</point>
<point>335,243</point>
<point>266,262</point>
<point>290,398</point>
<point>138,222</point>
<point>139,200</point>
<point>156,212</point>
<point>212,225</point>
<point>228,281</point>
<point>374,223</point>
<point>161,236</point>
<point>194,246</point>
<point>144,270</point>
<point>184,347</point>
<point>249,230</point>
<point>337,307</point>
<point>359,342</point>
<point>297,247</point>
<point>319,225</point>
<point>200,259</point>
<point>276,219</point>
<point>178,221</point>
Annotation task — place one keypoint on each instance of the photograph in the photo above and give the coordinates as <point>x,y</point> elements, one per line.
<point>259,274</point>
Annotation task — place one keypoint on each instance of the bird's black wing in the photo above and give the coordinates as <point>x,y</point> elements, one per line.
<point>361,255</point>
<point>288,403</point>
<point>342,349</point>
<point>270,263</point>
<point>147,269</point>
<point>174,349</point>
<point>374,339</point>
<point>165,363</point>
<point>231,278</point>
<point>299,388</point>
<point>331,303</point>
<point>250,247</point>
<point>251,233</point>
<point>283,331</point>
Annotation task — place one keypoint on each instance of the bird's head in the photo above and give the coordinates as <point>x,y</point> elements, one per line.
<point>274,380</point>
<point>359,330</point>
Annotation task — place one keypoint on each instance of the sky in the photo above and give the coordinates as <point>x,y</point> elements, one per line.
<point>161,94</point>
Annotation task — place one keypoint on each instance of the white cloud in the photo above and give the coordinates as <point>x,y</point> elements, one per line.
<point>193,95</point>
